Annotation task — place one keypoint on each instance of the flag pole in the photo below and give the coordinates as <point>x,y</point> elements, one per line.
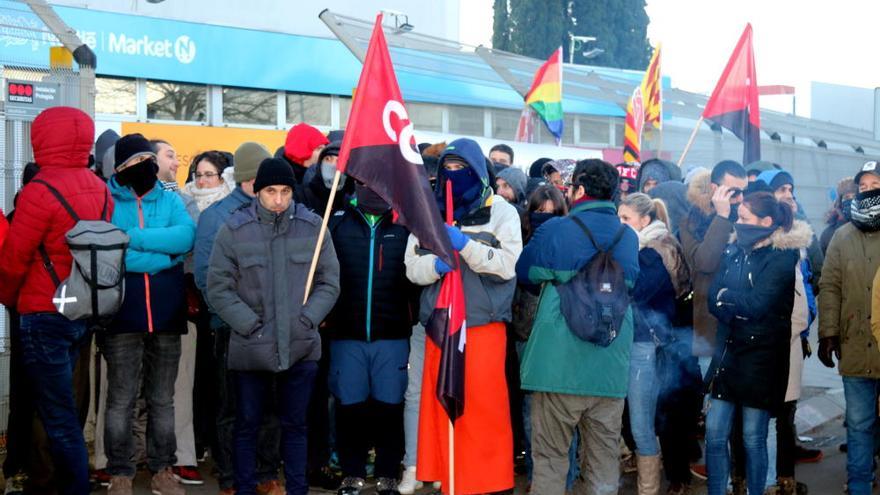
<point>451,458</point>
<point>323,231</point>
<point>690,142</point>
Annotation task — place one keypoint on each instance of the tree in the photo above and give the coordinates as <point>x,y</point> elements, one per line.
<point>537,27</point>
<point>501,26</point>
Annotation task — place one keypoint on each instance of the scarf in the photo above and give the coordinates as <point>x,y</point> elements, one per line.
<point>865,211</point>
<point>207,196</point>
<point>747,236</point>
<point>653,231</point>
<point>468,192</point>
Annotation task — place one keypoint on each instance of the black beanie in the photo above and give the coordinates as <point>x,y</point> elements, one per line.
<point>130,146</point>
<point>274,172</point>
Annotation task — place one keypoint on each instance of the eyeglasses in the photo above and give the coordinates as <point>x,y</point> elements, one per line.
<point>735,191</point>
<point>206,175</point>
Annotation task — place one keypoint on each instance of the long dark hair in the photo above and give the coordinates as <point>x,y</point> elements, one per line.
<point>536,200</point>
<point>216,158</point>
<point>763,204</point>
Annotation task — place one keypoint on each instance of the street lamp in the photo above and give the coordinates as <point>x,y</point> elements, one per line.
<point>576,43</point>
<point>401,21</point>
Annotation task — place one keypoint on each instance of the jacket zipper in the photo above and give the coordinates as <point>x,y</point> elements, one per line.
<point>370,282</point>
<point>146,275</point>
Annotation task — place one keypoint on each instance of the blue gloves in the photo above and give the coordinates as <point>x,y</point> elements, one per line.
<point>441,267</point>
<point>458,239</point>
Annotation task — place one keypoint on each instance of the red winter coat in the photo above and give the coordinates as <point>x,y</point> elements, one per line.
<point>62,140</point>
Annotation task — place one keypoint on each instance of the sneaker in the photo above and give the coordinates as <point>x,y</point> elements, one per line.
<point>387,486</point>
<point>271,487</point>
<point>807,456</point>
<point>409,484</point>
<point>102,477</point>
<point>699,471</point>
<point>351,486</point>
<point>15,484</point>
<point>164,483</point>
<point>119,485</point>
<point>678,489</point>
<point>188,475</point>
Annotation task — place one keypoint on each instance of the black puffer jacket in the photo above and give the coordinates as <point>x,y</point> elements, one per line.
<point>377,301</point>
<point>750,365</point>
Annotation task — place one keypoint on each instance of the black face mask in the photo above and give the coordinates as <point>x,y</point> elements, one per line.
<point>140,177</point>
<point>734,213</point>
<point>537,218</point>
<point>369,201</point>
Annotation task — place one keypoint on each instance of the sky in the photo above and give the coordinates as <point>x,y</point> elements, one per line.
<point>795,42</point>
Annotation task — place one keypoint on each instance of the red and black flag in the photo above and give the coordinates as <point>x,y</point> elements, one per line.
<point>379,150</point>
<point>734,103</point>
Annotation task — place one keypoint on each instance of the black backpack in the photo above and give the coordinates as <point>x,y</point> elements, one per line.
<point>595,300</point>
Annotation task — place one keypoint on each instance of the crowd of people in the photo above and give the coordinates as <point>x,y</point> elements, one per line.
<point>224,344</point>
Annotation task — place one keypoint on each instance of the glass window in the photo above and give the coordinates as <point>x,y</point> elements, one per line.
<point>250,106</point>
<point>426,116</point>
<point>595,130</point>
<point>466,120</point>
<point>504,124</point>
<point>619,126</point>
<point>545,137</point>
<point>344,110</point>
<point>312,109</point>
<point>116,96</point>
<point>173,101</point>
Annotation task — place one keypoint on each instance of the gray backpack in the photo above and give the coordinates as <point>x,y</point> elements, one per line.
<point>96,284</point>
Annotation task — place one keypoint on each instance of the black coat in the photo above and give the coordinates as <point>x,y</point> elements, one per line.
<point>393,300</point>
<point>750,365</point>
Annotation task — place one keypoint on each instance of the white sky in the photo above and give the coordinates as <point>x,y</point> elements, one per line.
<point>795,41</point>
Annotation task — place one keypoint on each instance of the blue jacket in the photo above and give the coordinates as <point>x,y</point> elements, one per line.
<point>210,222</point>
<point>555,360</point>
<point>161,232</point>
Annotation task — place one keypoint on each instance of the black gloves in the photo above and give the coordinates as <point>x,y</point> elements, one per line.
<point>829,346</point>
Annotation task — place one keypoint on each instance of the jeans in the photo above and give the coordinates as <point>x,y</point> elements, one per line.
<point>50,345</point>
<point>268,438</point>
<point>126,353</point>
<point>642,397</point>
<point>861,415</point>
<point>719,424</point>
<point>294,390</point>
<point>413,395</point>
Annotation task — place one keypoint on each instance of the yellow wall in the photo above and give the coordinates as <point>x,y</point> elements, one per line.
<point>189,141</point>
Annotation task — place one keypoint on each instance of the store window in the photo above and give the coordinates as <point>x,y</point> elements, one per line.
<point>311,109</point>
<point>595,130</point>
<point>250,106</point>
<point>425,116</point>
<point>174,101</point>
<point>504,124</point>
<point>116,96</point>
<point>466,120</point>
<point>344,110</point>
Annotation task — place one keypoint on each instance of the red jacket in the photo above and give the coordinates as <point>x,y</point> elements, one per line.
<point>61,138</point>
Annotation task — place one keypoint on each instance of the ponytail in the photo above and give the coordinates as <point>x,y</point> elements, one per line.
<point>660,212</point>
<point>644,206</point>
<point>763,204</point>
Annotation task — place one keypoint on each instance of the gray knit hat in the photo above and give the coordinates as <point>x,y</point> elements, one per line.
<point>247,160</point>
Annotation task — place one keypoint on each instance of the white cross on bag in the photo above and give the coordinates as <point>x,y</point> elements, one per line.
<point>63,300</point>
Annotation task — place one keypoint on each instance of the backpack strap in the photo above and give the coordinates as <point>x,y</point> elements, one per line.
<point>63,201</point>
<point>47,262</point>
<point>104,209</point>
<point>614,242</point>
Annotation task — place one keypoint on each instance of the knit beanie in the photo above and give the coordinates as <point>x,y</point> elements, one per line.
<point>274,172</point>
<point>517,180</point>
<point>247,160</point>
<point>131,146</point>
<point>780,179</point>
<point>302,139</point>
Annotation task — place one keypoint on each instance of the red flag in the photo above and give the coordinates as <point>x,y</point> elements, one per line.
<point>379,150</point>
<point>734,103</point>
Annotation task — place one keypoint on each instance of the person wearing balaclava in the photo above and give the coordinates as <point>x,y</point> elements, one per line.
<point>486,234</point>
<point>840,212</point>
<point>752,297</point>
<point>845,333</point>
<point>145,333</point>
<point>315,192</point>
<point>369,337</point>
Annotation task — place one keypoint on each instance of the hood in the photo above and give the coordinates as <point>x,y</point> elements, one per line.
<point>800,236</point>
<point>769,176</point>
<point>660,170</point>
<point>517,180</point>
<point>674,195</point>
<point>331,149</point>
<point>302,139</point>
<point>62,137</point>
<point>699,192</point>
<point>105,141</point>
<point>470,151</point>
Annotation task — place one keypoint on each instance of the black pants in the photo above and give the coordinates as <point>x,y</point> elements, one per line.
<point>786,441</point>
<point>358,426</point>
<point>319,413</point>
<point>205,394</point>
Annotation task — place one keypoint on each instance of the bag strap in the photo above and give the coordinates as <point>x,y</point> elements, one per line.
<point>104,209</point>
<point>63,201</point>
<point>47,263</point>
<point>614,242</point>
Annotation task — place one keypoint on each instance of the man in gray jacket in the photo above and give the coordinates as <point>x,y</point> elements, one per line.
<point>256,282</point>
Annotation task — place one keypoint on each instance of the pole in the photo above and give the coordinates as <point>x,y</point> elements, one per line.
<point>690,142</point>
<point>324,221</point>
<point>451,458</point>
<point>660,142</point>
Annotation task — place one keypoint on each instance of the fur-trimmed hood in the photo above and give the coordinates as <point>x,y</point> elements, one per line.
<point>800,236</point>
<point>699,192</point>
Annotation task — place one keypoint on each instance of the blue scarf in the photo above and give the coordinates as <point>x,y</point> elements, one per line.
<point>467,191</point>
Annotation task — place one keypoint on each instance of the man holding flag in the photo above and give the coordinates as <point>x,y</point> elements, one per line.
<point>464,380</point>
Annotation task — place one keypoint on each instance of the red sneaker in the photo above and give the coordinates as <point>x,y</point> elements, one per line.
<point>699,470</point>
<point>102,477</point>
<point>188,475</point>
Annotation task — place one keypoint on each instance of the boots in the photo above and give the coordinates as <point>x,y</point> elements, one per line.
<point>648,474</point>
<point>739,485</point>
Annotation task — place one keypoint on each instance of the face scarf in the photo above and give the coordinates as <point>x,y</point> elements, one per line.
<point>328,171</point>
<point>467,191</point>
<point>865,211</point>
<point>369,201</point>
<point>749,235</point>
<point>537,218</point>
<point>140,177</point>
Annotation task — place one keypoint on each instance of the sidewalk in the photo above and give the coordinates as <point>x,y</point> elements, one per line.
<point>822,392</point>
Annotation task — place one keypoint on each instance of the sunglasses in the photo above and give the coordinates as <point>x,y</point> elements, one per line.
<point>735,191</point>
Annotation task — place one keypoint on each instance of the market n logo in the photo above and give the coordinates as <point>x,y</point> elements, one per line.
<point>184,49</point>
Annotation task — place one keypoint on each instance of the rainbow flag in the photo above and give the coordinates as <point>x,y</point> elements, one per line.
<point>545,95</point>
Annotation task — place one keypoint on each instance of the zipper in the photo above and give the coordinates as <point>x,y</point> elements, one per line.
<point>146,275</point>
<point>373,229</point>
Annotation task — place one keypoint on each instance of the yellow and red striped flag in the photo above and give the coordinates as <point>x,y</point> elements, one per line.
<point>644,107</point>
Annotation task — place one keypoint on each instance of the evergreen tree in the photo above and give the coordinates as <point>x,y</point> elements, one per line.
<point>501,26</point>
<point>537,27</point>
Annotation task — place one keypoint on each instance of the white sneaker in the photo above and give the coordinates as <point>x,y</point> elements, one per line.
<point>408,483</point>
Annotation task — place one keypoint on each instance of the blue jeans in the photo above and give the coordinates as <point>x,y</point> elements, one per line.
<point>642,397</point>
<point>50,344</point>
<point>861,414</point>
<point>719,423</point>
<point>294,390</point>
